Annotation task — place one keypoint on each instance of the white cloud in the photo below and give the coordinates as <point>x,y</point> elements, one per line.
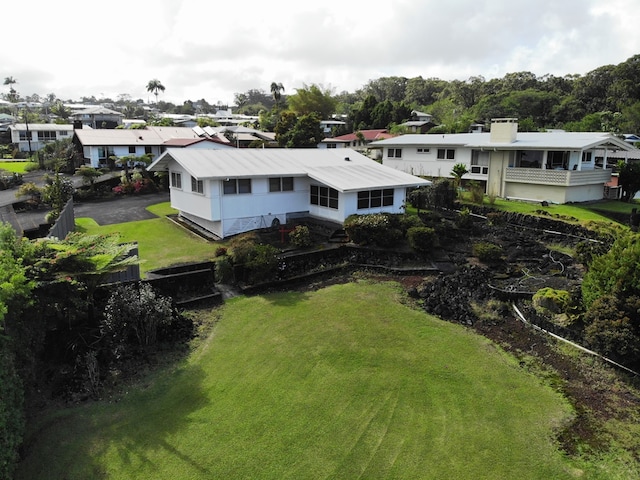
<point>212,50</point>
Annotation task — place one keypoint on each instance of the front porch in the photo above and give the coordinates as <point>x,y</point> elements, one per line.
<point>565,178</point>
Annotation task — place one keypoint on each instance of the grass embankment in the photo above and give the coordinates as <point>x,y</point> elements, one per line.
<point>161,243</point>
<point>345,382</point>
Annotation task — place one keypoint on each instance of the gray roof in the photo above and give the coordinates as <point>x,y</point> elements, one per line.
<point>140,136</point>
<point>43,127</point>
<point>524,141</point>
<point>344,169</point>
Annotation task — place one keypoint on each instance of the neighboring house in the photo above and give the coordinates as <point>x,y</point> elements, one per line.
<point>559,167</point>
<point>240,136</point>
<point>420,122</point>
<point>97,117</point>
<point>33,136</point>
<point>327,126</point>
<point>359,140</point>
<point>228,192</point>
<point>98,146</point>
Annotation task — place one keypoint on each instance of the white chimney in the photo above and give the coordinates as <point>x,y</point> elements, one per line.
<point>503,130</point>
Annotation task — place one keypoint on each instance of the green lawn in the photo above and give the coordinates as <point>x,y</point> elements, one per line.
<point>345,382</point>
<point>16,166</point>
<point>161,242</point>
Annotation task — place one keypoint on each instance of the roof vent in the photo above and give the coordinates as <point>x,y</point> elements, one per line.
<point>347,159</point>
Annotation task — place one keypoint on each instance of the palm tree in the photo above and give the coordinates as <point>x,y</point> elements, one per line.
<point>155,86</point>
<point>458,171</point>
<point>276,89</point>
<point>13,95</point>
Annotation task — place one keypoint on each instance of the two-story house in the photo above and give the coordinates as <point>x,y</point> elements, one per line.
<point>558,167</point>
<point>33,136</point>
<point>99,147</point>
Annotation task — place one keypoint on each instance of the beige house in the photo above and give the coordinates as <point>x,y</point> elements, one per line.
<point>558,167</point>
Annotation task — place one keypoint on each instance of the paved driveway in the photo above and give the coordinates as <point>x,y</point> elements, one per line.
<point>127,208</point>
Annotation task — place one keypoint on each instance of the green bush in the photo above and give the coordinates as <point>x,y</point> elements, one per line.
<point>487,252</point>
<point>406,221</point>
<point>300,236</point>
<point>549,300</point>
<point>371,229</point>
<point>612,328</point>
<point>422,239</point>
<point>262,263</point>
<point>31,167</point>
<point>133,315</point>
<point>224,269</point>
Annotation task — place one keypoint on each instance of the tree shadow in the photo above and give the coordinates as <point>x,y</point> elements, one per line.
<point>136,428</point>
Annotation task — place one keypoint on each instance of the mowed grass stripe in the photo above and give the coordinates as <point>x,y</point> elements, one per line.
<point>345,382</point>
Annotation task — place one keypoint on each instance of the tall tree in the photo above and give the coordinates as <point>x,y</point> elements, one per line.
<point>276,92</point>
<point>310,99</point>
<point>155,86</point>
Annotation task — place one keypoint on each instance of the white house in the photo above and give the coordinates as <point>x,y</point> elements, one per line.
<point>33,136</point>
<point>559,167</point>
<point>98,146</point>
<point>228,192</point>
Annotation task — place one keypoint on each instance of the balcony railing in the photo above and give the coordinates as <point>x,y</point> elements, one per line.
<point>558,177</point>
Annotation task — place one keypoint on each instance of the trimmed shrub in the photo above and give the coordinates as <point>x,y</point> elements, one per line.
<point>487,252</point>
<point>372,229</point>
<point>549,300</point>
<point>422,239</point>
<point>262,263</point>
<point>300,236</point>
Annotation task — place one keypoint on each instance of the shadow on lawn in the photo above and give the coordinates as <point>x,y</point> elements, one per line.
<point>149,422</point>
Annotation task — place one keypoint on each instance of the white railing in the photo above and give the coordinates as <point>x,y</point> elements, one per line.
<point>557,177</point>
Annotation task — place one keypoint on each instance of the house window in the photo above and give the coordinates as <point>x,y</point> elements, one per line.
<point>324,196</point>
<point>375,198</point>
<point>47,136</point>
<point>147,150</point>
<point>236,185</point>
<point>446,153</point>
<point>132,149</point>
<point>557,159</point>
<point>394,153</point>
<point>176,179</point>
<point>102,153</point>
<point>197,185</point>
<point>281,184</point>
<point>24,136</point>
<point>331,145</point>
<point>423,150</point>
<point>479,163</point>
<point>586,157</point>
<point>63,133</point>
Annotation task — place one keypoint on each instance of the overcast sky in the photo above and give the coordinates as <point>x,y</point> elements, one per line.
<point>211,49</point>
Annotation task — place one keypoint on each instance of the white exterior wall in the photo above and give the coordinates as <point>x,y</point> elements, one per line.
<point>249,211</point>
<point>37,139</point>
<point>93,152</point>
<point>428,164</point>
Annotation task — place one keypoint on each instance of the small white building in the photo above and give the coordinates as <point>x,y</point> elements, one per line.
<point>228,192</point>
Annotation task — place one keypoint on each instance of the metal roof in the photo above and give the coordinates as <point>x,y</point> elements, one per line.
<point>343,169</point>
<point>140,136</point>
<point>49,127</point>
<point>524,141</point>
